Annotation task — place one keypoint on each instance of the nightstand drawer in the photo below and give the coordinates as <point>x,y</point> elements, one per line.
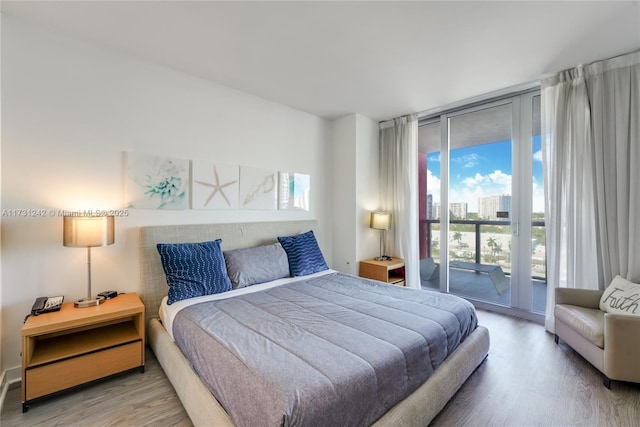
<point>374,272</point>
<point>73,346</point>
<point>79,370</point>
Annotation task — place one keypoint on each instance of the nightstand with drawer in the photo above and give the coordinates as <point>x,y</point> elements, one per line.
<point>74,346</point>
<point>391,271</point>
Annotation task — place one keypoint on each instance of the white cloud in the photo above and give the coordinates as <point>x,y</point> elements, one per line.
<point>434,157</point>
<point>495,178</point>
<point>537,156</point>
<point>498,177</point>
<point>468,160</point>
<point>472,181</point>
<point>433,186</point>
<point>538,198</point>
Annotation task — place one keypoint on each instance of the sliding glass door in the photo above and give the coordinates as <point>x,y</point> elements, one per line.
<point>482,229</point>
<point>480,188</point>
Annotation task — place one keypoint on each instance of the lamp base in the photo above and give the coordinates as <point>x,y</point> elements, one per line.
<point>383,258</point>
<point>88,302</point>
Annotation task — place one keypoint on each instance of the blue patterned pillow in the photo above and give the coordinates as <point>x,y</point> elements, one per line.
<point>193,269</point>
<point>303,253</point>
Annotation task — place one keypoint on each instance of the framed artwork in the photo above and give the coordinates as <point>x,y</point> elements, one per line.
<point>293,193</point>
<point>214,186</point>
<point>155,182</point>
<point>258,189</point>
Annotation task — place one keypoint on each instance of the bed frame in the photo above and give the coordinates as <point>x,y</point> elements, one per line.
<point>418,409</point>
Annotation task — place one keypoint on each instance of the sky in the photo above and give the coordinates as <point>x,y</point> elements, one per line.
<point>483,170</point>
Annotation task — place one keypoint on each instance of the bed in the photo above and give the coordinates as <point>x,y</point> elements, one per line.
<point>419,407</point>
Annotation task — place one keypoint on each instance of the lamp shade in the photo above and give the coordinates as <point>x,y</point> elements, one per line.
<point>380,220</point>
<point>88,231</point>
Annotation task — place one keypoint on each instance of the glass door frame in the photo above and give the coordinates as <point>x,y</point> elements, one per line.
<point>521,201</point>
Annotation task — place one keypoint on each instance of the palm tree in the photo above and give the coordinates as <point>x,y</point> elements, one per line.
<point>495,247</point>
<point>457,236</point>
<point>491,242</point>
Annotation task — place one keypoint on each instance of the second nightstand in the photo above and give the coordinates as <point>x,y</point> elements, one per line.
<point>386,271</point>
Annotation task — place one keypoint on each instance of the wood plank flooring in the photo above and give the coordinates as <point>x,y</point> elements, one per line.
<point>527,380</point>
<point>130,399</point>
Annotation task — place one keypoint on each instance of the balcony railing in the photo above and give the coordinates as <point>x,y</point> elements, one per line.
<point>538,247</point>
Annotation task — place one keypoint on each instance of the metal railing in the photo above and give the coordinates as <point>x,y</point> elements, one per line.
<point>426,237</point>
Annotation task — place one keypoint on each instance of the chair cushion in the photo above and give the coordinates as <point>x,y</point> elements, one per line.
<point>588,322</point>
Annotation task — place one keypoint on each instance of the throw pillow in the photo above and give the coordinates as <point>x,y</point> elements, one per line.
<point>193,269</point>
<point>303,253</point>
<point>259,264</point>
<point>621,297</point>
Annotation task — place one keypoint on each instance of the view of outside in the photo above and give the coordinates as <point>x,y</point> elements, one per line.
<point>480,186</point>
<point>480,202</point>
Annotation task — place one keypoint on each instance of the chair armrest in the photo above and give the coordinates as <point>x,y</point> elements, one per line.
<point>622,347</point>
<point>587,298</point>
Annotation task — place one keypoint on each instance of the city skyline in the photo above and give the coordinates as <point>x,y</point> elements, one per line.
<point>488,207</point>
<point>481,171</point>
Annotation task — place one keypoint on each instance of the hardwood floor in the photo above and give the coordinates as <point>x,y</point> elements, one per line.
<point>527,380</point>
<point>131,399</point>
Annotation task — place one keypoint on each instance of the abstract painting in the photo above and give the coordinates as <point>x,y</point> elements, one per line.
<point>294,191</point>
<point>258,188</point>
<point>214,185</point>
<point>155,182</point>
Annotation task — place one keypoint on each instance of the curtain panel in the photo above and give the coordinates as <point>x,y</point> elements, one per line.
<point>399,193</point>
<point>591,154</point>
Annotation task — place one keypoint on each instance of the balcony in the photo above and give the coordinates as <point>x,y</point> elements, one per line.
<point>480,260</point>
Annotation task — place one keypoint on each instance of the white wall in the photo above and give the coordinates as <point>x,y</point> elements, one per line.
<point>344,193</point>
<point>367,186</point>
<point>355,190</point>
<point>70,110</point>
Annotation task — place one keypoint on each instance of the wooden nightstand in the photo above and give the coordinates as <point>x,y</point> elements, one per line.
<point>386,271</point>
<point>73,346</point>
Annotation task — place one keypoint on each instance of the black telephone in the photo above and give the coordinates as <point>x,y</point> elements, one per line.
<point>45,305</point>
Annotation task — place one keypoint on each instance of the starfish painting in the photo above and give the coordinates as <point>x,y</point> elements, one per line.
<point>217,187</point>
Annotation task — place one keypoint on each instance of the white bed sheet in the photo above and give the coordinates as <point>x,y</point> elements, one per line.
<point>168,312</point>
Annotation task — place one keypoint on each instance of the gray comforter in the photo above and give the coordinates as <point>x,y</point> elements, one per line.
<point>334,350</point>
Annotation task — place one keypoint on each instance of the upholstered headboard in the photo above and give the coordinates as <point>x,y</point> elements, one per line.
<point>234,236</point>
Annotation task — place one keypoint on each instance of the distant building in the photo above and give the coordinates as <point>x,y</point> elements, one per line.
<point>456,210</point>
<point>488,207</point>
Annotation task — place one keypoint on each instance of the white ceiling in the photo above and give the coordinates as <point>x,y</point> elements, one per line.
<point>381,59</point>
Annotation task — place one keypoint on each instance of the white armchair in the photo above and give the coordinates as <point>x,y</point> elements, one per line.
<point>610,342</point>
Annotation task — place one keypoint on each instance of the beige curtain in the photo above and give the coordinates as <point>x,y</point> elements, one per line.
<point>399,192</point>
<point>591,154</point>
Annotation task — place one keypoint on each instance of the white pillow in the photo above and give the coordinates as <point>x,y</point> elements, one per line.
<point>621,297</point>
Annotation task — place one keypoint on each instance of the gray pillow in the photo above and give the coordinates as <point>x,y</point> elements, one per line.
<point>258,264</point>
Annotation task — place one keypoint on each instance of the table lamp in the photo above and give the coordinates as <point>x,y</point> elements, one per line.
<point>381,221</point>
<point>88,232</point>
